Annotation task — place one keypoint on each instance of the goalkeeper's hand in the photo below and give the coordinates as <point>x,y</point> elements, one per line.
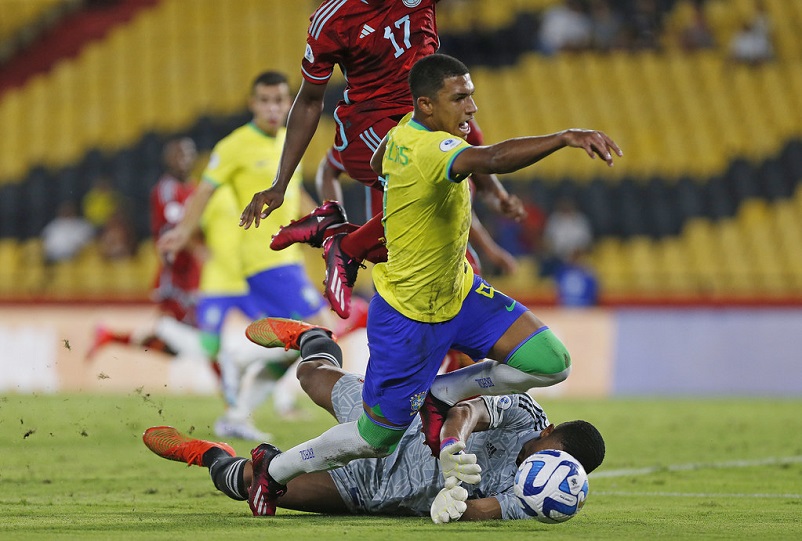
<point>449,504</point>
<point>455,463</point>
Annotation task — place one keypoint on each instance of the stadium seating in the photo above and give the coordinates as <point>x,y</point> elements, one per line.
<point>22,18</point>
<point>708,211</point>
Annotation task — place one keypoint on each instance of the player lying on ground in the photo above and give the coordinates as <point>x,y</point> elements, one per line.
<point>498,433</point>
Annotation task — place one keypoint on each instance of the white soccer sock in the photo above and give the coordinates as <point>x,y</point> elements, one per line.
<point>182,338</point>
<point>237,354</point>
<point>287,389</point>
<point>336,447</point>
<point>256,384</point>
<point>488,378</point>
<point>244,352</point>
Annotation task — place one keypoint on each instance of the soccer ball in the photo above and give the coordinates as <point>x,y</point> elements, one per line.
<point>551,486</point>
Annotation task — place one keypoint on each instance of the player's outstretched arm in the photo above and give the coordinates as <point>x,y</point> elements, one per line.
<point>514,154</point>
<point>301,126</point>
<point>176,239</point>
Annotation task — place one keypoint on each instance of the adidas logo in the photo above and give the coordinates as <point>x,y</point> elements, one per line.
<point>366,31</point>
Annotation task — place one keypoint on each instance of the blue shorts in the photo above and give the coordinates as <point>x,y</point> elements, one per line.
<point>284,292</point>
<point>406,354</point>
<point>211,311</point>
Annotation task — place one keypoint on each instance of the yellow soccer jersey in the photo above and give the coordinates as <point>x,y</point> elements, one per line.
<point>222,269</point>
<point>247,160</point>
<point>427,216</point>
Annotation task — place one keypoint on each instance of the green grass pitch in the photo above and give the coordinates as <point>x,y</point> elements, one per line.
<point>74,467</point>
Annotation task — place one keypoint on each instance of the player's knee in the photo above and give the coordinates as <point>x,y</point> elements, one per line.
<point>307,371</point>
<point>383,440</point>
<point>317,378</point>
<point>544,355</point>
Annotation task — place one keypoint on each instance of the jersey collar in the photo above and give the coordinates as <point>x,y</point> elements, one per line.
<point>258,130</point>
<point>417,125</point>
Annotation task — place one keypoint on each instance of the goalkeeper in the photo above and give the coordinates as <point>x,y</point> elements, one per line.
<point>498,433</point>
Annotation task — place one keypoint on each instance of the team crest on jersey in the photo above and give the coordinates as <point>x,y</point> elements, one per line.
<point>448,144</point>
<point>412,3</point>
<point>308,54</point>
<point>415,402</point>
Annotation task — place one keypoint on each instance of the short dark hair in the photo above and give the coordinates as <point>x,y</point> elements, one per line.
<point>269,78</point>
<point>583,441</point>
<point>427,75</point>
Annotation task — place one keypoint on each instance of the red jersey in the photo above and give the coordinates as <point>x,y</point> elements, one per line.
<point>176,283</point>
<point>167,200</point>
<point>375,43</point>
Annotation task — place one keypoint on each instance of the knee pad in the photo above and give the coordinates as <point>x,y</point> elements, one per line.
<point>541,354</point>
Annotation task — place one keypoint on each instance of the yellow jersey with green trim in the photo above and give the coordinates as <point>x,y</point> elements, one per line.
<point>247,160</point>
<point>427,216</point>
<point>222,274</point>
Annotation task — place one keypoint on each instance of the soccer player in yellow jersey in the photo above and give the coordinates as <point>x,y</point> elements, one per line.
<point>428,299</point>
<point>249,373</point>
<point>277,281</point>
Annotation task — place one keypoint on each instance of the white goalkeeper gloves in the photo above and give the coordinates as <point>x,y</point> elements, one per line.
<point>455,463</point>
<point>449,504</point>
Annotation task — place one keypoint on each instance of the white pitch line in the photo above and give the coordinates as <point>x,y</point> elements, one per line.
<point>628,472</point>
<point>694,494</point>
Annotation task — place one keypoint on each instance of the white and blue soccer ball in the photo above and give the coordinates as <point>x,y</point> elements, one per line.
<point>551,486</point>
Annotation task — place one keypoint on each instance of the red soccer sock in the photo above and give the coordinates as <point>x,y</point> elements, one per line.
<point>377,254</point>
<point>369,237</point>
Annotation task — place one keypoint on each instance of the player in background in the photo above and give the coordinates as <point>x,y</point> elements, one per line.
<point>499,432</point>
<point>428,299</point>
<point>249,374</point>
<point>375,44</point>
<point>196,291</point>
<point>277,281</point>
<point>176,284</point>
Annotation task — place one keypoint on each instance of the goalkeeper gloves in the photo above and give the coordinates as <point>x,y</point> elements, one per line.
<point>449,504</point>
<point>455,463</point>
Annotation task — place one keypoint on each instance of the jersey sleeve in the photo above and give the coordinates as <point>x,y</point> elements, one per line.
<point>510,508</point>
<point>515,411</point>
<point>322,52</point>
<point>222,165</point>
<point>440,152</point>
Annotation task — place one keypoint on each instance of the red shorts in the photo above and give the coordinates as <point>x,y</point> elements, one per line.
<point>355,157</point>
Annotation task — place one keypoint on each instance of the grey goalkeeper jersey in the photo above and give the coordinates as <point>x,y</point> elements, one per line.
<point>407,481</point>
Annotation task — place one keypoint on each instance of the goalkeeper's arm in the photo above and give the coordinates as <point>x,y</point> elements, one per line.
<point>464,418</point>
<point>461,420</point>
